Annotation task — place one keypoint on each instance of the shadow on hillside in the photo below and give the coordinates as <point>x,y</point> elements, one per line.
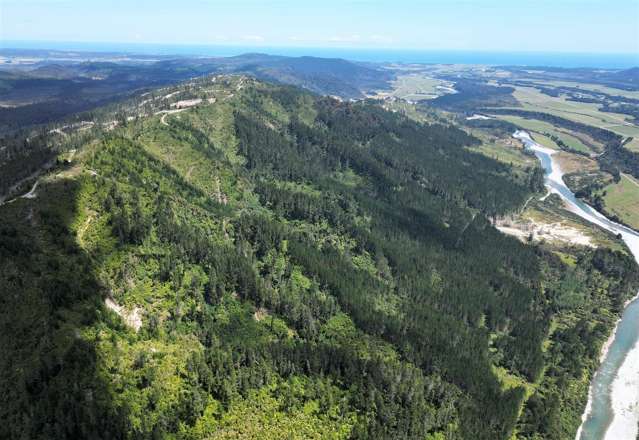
<point>49,381</point>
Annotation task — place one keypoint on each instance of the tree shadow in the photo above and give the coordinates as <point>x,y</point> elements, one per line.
<point>50,385</point>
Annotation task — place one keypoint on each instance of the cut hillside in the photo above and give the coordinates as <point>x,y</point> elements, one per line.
<point>297,267</point>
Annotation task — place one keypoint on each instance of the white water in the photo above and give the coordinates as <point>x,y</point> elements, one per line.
<point>612,412</point>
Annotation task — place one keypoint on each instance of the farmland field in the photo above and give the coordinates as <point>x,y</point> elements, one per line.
<point>506,152</point>
<point>621,199</point>
<point>585,113</point>
<point>545,141</point>
<point>541,127</point>
<point>417,87</point>
<point>633,145</point>
<point>589,87</point>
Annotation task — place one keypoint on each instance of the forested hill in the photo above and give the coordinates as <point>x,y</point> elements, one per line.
<point>273,264</point>
<point>61,84</point>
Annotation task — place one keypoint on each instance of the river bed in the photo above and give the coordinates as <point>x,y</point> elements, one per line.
<point>612,412</point>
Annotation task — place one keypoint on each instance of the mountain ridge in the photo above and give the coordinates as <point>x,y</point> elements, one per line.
<point>299,265</point>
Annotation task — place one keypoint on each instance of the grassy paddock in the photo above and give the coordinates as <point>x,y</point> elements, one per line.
<point>542,127</point>
<point>585,113</point>
<point>417,86</point>
<point>589,87</point>
<point>633,145</point>
<point>622,199</point>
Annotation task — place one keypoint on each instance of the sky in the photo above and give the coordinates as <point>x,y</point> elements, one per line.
<point>589,26</point>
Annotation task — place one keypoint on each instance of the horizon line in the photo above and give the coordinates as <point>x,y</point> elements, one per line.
<point>4,44</point>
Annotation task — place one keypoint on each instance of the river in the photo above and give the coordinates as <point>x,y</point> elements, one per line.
<point>612,412</point>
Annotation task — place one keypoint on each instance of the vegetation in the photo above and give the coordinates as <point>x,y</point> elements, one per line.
<point>601,135</point>
<point>619,159</point>
<point>547,135</point>
<point>573,103</point>
<point>56,90</point>
<point>417,87</point>
<point>302,268</point>
<point>473,95</point>
<point>620,200</point>
<point>618,80</point>
<point>572,350</point>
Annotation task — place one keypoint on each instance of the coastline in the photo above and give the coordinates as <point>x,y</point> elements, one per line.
<point>371,54</point>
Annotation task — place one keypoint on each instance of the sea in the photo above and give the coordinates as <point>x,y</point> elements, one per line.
<point>404,56</point>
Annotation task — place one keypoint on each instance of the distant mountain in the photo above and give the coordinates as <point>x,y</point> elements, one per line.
<point>56,71</point>
<point>325,76</point>
<point>49,90</point>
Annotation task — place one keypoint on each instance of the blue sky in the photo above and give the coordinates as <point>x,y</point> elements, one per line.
<point>507,25</point>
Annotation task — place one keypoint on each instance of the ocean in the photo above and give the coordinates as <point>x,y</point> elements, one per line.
<point>406,56</point>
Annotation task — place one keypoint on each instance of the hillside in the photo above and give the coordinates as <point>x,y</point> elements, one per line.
<point>256,261</point>
<point>325,76</point>
<point>61,84</point>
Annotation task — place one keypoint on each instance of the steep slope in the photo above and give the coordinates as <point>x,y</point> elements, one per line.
<point>298,268</point>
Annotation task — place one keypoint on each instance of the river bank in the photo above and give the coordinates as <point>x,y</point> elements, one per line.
<point>612,411</point>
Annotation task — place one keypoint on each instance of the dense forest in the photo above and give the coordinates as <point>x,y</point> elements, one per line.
<point>291,266</point>
<point>625,79</point>
<point>618,158</point>
<point>473,95</point>
<point>67,84</point>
